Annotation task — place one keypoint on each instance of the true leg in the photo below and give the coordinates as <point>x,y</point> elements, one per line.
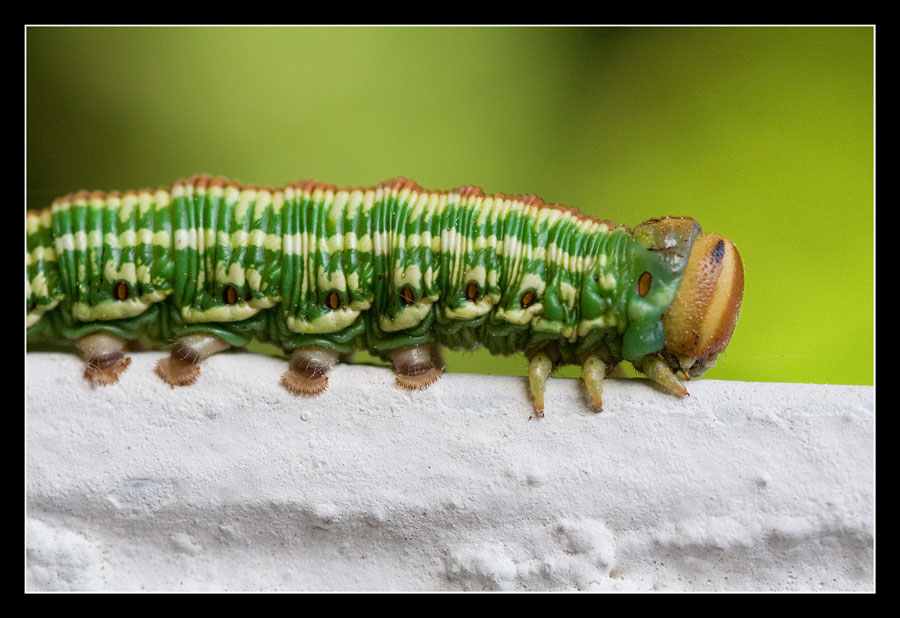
<point>540,366</point>
<point>593,372</point>
<point>657,370</point>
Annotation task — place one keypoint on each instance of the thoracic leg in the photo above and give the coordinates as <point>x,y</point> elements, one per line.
<point>593,371</point>
<point>307,369</point>
<point>105,357</point>
<point>183,365</point>
<point>657,370</point>
<point>417,366</point>
<point>540,366</point>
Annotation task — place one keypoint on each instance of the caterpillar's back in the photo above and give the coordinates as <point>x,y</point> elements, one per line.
<point>321,271</point>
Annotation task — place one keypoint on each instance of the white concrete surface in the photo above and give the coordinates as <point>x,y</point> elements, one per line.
<point>234,484</point>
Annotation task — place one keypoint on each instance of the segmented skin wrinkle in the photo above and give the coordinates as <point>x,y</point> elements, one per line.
<point>172,214</point>
<point>309,265</point>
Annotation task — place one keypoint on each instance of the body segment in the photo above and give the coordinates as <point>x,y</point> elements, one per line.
<point>386,268</point>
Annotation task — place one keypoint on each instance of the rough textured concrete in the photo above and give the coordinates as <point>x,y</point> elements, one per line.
<point>234,484</point>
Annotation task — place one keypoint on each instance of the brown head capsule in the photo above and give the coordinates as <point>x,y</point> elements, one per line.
<point>700,321</point>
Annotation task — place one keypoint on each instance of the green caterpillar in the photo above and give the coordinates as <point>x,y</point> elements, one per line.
<point>395,269</point>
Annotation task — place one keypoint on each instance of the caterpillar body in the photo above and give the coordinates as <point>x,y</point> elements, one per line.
<point>322,271</point>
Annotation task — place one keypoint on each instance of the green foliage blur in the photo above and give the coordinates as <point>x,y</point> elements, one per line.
<point>764,135</point>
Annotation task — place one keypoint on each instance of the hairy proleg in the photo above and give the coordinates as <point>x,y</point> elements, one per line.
<point>183,365</point>
<point>104,354</point>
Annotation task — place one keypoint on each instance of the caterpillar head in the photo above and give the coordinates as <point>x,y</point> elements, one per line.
<point>700,321</point>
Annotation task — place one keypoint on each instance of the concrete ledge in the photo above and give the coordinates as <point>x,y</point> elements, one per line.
<point>234,484</point>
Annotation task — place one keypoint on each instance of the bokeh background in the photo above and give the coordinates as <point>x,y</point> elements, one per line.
<point>764,135</point>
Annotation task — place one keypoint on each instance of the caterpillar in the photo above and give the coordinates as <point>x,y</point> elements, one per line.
<point>320,272</point>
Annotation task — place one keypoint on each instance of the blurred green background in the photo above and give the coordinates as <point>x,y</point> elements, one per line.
<point>764,135</point>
